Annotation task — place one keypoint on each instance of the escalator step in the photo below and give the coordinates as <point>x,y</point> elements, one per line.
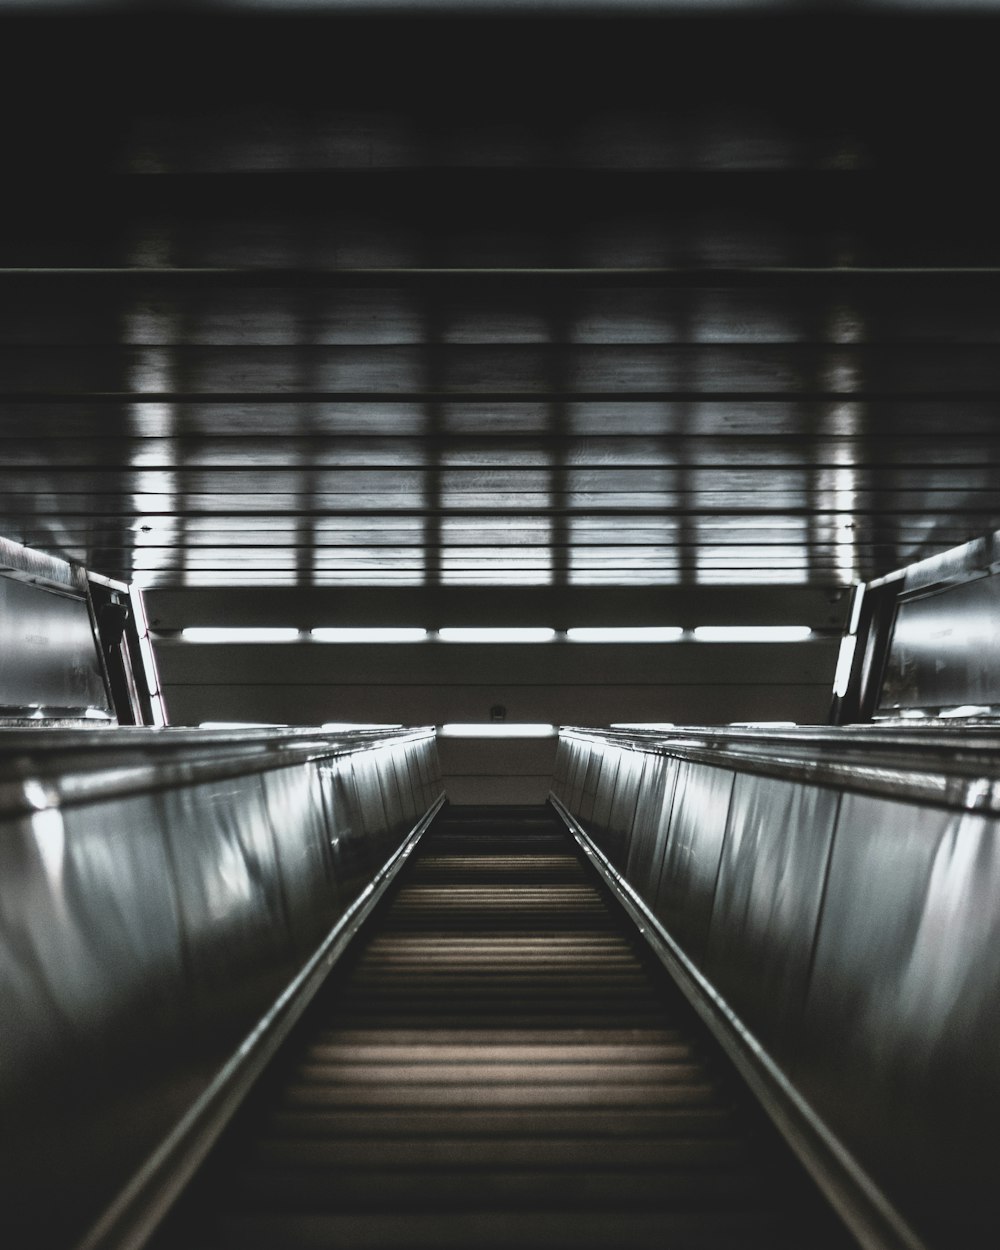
<point>497,1065</point>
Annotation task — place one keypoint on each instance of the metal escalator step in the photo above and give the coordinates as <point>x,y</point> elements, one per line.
<point>499,1228</point>
<point>442,1151</point>
<point>497,1125</point>
<point>495,1065</point>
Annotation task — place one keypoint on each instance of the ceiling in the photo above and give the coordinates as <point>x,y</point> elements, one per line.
<point>305,303</point>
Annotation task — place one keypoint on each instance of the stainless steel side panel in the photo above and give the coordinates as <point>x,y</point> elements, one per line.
<point>692,853</point>
<point>147,924</point>
<point>235,923</point>
<point>842,903</point>
<point>628,784</point>
<point>609,762</point>
<point>564,753</point>
<point>91,929</point>
<point>767,900</point>
<point>293,806</point>
<point>389,785</point>
<point>577,772</point>
<point>375,818</point>
<point>590,781</point>
<point>899,1050</point>
<point>652,821</point>
<point>49,657</point>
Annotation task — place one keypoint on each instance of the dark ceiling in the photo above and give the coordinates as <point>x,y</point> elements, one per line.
<point>619,302</point>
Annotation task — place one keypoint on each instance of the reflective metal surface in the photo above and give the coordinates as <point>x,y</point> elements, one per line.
<point>898,1049</point>
<point>49,660</point>
<point>766,904</point>
<point>691,854</point>
<point>842,919</point>
<point>153,905</point>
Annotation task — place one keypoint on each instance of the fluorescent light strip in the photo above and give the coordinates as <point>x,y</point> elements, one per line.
<point>762,724</point>
<point>859,596</point>
<point>335,726</point>
<point>499,729</point>
<point>642,724</point>
<point>496,634</point>
<point>251,634</point>
<point>845,662</point>
<point>240,724</point>
<point>752,633</point>
<point>626,633</point>
<point>368,634</point>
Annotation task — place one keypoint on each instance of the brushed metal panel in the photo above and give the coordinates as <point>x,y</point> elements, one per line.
<point>560,769</point>
<point>392,797</point>
<point>600,821</point>
<point>899,1051</point>
<point>628,783</point>
<point>591,782</point>
<point>232,911</point>
<point>351,851</point>
<point>576,772</point>
<point>49,655</point>
<point>409,755</point>
<point>652,821</point>
<point>375,819</point>
<point>91,928</point>
<point>767,900</point>
<point>692,854</point>
<point>293,803</point>
<point>945,649</point>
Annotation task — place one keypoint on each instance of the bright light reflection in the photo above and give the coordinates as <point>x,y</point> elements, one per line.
<point>967,709</point>
<point>400,634</point>
<point>501,634</point>
<point>642,724</point>
<point>762,724</point>
<point>240,724</point>
<point>752,633</point>
<point>629,633</point>
<point>50,839</point>
<point>226,634</point>
<point>506,729</point>
<point>335,726</point>
<point>845,660</point>
<point>859,596</point>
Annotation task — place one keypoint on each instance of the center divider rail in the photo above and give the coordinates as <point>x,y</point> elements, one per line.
<point>500,1063</point>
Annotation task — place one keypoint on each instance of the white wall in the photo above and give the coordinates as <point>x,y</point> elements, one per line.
<point>308,682</point>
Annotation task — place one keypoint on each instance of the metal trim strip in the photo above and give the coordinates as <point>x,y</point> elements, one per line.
<point>960,775</point>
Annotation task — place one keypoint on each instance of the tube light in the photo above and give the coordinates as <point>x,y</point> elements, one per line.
<point>643,724</point>
<point>496,634</point>
<point>336,726</point>
<point>240,724</point>
<point>859,595</point>
<point>252,634</point>
<point>752,633</point>
<point>502,729</point>
<point>369,634</point>
<point>626,633</point>
<point>845,661</point>
<point>762,724</point>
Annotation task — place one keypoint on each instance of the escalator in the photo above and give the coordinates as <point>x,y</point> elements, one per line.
<point>499,1062</point>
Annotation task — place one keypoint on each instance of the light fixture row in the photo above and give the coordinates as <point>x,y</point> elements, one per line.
<point>598,634</point>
